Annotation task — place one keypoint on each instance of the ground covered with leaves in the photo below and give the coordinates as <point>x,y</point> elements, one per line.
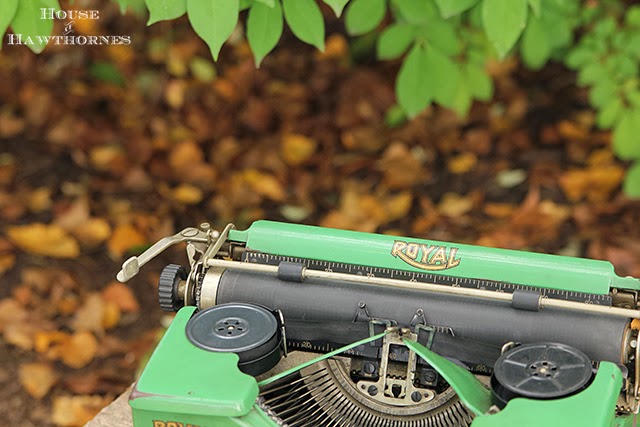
<point>104,150</point>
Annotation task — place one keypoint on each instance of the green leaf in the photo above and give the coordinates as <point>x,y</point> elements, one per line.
<point>603,92</point>
<point>462,98</point>
<point>625,135</point>
<point>631,184</point>
<point>610,113</point>
<point>395,40</point>
<point>479,82</point>
<point>364,15</point>
<point>633,97</point>
<point>449,8</point>
<point>632,16</point>
<point>395,116</point>
<point>8,10</point>
<point>202,69</point>
<point>213,21</point>
<point>107,72</point>
<point>443,35</point>
<point>445,75</point>
<point>270,3</point>
<point>245,4</point>
<point>591,74</point>
<point>337,6</point>
<point>535,47</point>
<point>35,32</point>
<point>415,12</point>
<point>305,20</point>
<point>123,5</point>
<point>264,28</point>
<point>503,22</point>
<point>414,87</point>
<point>535,6</point>
<point>579,57</point>
<point>162,10</point>
<point>137,7</point>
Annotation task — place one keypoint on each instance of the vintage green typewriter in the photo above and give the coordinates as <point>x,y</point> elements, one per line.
<point>291,325</point>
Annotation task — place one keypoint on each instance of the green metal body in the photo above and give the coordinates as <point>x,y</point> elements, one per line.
<point>525,268</point>
<point>183,385</point>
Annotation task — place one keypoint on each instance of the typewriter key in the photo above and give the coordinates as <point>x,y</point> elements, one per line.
<point>251,331</point>
<point>540,371</point>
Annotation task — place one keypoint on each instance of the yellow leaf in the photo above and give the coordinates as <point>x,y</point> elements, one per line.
<point>105,157</point>
<point>79,350</point>
<point>45,240</point>
<point>6,262</point>
<point>184,155</point>
<point>122,296</point>
<point>462,164</point>
<point>92,232</point>
<point>76,411</point>
<point>453,205</point>
<point>297,149</point>
<point>124,238</point>
<point>39,200</point>
<point>187,194</point>
<point>264,184</point>
<point>37,378</point>
<point>110,316</point>
<point>398,206</point>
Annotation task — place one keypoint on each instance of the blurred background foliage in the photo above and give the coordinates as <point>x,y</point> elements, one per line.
<point>445,45</point>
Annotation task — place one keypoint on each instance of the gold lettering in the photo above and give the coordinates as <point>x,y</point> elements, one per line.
<point>426,250</point>
<point>159,424</point>
<point>398,246</point>
<point>453,262</point>
<point>424,256</point>
<point>412,250</point>
<point>439,257</point>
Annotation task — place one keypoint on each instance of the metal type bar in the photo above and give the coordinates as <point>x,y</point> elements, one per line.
<point>320,358</point>
<point>453,290</point>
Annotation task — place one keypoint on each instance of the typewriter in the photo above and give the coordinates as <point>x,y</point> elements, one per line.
<point>292,325</point>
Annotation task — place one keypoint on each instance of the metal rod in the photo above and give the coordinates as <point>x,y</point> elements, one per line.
<point>432,287</point>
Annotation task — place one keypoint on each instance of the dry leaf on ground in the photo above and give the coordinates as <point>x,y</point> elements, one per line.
<point>79,350</point>
<point>121,295</point>
<point>47,240</point>
<point>297,149</point>
<point>37,378</point>
<point>124,238</point>
<point>76,411</point>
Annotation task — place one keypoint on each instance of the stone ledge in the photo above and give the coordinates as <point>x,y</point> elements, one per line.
<point>118,413</point>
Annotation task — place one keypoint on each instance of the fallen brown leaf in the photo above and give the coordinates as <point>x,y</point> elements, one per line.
<point>7,261</point>
<point>76,411</point>
<point>39,200</point>
<point>11,312</point>
<point>90,315</point>
<point>46,240</point>
<point>124,238</point>
<point>184,155</point>
<point>187,194</point>
<point>122,296</point>
<point>264,184</point>
<point>37,378</point>
<point>110,316</point>
<point>454,205</point>
<point>462,163</point>
<point>297,149</point>
<point>400,167</point>
<point>92,232</point>
<point>79,350</point>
